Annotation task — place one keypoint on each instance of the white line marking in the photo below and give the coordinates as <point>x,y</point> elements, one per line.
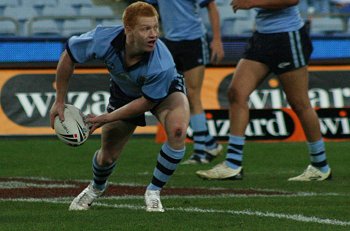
<point>295,217</point>
<point>19,184</point>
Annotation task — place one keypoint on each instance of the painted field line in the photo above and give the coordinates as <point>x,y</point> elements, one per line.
<point>294,217</point>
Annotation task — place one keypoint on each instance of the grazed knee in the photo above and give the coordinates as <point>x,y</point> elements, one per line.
<point>178,133</point>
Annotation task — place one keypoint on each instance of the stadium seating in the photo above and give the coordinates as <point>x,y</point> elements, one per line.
<point>237,27</point>
<point>22,14</point>
<point>76,4</point>
<point>76,26</point>
<point>111,22</point>
<point>44,27</point>
<point>59,11</point>
<point>7,3</point>
<point>8,27</point>
<point>96,11</point>
<point>39,3</point>
<point>326,25</point>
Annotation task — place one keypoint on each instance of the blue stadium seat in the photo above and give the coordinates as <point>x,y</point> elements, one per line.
<point>39,3</point>
<point>44,27</point>
<point>97,11</point>
<point>7,3</point>
<point>8,27</point>
<point>59,11</point>
<point>238,27</point>
<point>111,22</point>
<point>326,25</point>
<point>22,14</point>
<point>75,3</point>
<point>76,26</point>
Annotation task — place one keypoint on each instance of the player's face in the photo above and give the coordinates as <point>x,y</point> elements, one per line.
<point>146,33</point>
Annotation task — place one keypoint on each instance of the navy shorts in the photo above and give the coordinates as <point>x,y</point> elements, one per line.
<point>189,54</point>
<point>118,99</point>
<point>281,52</point>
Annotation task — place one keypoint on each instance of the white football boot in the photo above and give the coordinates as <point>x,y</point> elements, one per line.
<point>152,200</point>
<point>84,200</point>
<point>312,174</point>
<point>221,172</point>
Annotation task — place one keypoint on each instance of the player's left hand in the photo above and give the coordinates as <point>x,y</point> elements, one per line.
<point>217,51</point>
<point>95,121</point>
<point>241,4</point>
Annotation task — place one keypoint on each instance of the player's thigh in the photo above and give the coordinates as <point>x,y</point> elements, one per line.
<point>247,77</point>
<point>194,77</point>
<point>295,85</point>
<point>115,135</point>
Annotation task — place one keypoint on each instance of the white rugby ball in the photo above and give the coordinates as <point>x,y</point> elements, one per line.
<point>73,131</point>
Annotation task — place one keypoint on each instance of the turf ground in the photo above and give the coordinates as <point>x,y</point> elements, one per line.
<point>40,176</point>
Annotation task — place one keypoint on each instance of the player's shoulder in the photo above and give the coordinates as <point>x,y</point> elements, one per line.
<point>161,58</point>
<point>107,32</point>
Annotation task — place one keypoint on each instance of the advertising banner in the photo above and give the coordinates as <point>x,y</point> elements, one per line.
<point>27,95</point>
<point>275,125</point>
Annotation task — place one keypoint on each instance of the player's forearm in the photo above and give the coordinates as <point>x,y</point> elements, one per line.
<point>265,4</point>
<point>132,109</point>
<point>64,71</point>
<point>214,19</point>
<point>273,4</point>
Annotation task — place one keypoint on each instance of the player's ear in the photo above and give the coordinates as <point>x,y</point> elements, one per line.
<point>127,29</point>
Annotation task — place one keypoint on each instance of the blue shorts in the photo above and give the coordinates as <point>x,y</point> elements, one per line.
<point>281,52</point>
<point>118,99</point>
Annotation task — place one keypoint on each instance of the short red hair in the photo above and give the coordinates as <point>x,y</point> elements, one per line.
<point>136,10</point>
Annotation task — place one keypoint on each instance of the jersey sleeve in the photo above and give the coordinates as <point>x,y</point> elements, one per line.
<point>204,3</point>
<point>156,87</point>
<point>83,48</point>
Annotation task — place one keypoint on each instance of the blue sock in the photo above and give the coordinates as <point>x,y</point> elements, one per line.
<point>100,173</point>
<point>199,127</point>
<point>167,161</point>
<point>234,156</point>
<point>318,155</point>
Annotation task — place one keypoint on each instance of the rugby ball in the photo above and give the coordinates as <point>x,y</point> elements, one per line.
<point>73,131</point>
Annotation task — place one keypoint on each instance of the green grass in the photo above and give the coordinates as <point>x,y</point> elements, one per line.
<point>267,166</point>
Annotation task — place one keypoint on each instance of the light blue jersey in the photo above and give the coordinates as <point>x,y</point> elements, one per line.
<point>276,21</point>
<point>150,78</point>
<point>181,19</point>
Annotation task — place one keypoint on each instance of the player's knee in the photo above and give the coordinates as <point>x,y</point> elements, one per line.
<point>232,95</point>
<point>179,132</point>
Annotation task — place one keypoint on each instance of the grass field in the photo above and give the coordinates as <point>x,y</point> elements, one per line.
<point>276,205</point>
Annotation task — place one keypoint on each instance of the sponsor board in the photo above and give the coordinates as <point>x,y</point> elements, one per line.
<point>27,95</point>
<point>275,125</point>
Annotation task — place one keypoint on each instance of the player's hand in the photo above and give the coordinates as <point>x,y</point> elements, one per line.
<point>217,51</point>
<point>95,122</point>
<point>56,109</point>
<point>241,4</point>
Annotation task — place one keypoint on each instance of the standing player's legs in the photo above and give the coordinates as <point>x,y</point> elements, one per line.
<point>192,64</point>
<point>173,114</point>
<point>113,139</point>
<point>295,85</point>
<point>247,77</point>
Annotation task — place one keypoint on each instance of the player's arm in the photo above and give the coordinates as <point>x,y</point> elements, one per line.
<point>64,71</point>
<point>217,50</point>
<point>265,4</point>
<point>132,109</point>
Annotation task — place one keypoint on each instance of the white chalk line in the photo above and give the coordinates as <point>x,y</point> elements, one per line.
<point>294,217</point>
